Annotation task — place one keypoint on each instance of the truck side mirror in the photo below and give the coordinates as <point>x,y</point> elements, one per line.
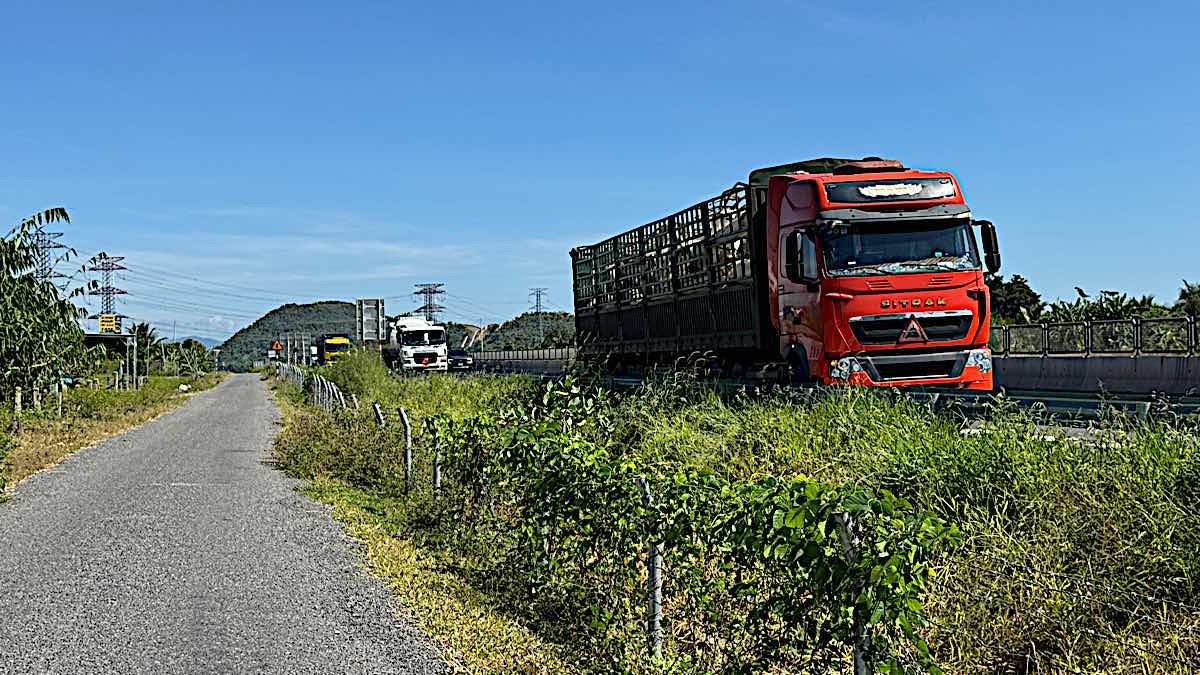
<point>991,246</point>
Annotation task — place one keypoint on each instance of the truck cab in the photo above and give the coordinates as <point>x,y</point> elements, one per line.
<point>878,276</point>
<point>416,345</point>
<point>329,348</point>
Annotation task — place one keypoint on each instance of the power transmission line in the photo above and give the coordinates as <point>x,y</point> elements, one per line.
<point>43,263</point>
<point>430,308</point>
<point>537,294</point>
<point>107,265</point>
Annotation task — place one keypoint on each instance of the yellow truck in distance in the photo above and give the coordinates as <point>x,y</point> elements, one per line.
<point>332,347</point>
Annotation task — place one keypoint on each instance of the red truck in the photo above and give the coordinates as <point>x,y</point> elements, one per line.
<point>833,270</point>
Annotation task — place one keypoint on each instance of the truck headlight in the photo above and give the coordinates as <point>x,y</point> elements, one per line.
<point>842,368</point>
<point>981,359</point>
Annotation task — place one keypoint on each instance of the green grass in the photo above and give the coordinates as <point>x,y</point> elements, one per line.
<point>1066,540</point>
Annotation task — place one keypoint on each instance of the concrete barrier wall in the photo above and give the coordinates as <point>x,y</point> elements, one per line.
<point>1174,375</point>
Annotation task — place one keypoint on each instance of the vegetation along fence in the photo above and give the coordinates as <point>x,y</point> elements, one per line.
<point>691,567</point>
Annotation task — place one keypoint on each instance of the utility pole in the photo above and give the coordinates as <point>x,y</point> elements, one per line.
<point>430,293</point>
<point>107,265</point>
<point>537,294</point>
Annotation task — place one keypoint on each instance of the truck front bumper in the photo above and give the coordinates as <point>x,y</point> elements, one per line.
<point>966,369</point>
<point>435,366</point>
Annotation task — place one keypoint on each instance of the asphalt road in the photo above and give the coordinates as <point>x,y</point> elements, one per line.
<point>176,547</point>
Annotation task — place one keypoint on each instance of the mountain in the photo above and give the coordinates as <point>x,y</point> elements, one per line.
<point>311,320</point>
<point>522,332</point>
<point>208,342</point>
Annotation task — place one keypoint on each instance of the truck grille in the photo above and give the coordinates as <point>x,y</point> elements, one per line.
<point>886,329</point>
<point>900,371</point>
<point>425,357</point>
<point>902,367</point>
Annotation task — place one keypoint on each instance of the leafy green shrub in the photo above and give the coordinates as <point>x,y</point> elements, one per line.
<point>551,517</point>
<point>1067,543</point>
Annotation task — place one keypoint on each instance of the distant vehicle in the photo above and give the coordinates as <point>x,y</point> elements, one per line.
<point>416,345</point>
<point>332,347</point>
<point>834,270</point>
<point>460,359</point>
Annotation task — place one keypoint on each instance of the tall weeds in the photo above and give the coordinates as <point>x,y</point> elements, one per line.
<point>1079,554</point>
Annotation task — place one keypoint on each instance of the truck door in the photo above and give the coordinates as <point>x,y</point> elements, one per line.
<point>800,335</point>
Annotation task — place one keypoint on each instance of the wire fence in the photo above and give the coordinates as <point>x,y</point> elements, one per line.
<point>323,393</point>
<point>1172,335</point>
<point>1158,628</point>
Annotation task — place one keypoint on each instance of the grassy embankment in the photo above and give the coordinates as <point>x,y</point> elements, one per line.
<point>41,438</point>
<point>1078,555</point>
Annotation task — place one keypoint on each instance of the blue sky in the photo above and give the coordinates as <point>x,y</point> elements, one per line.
<point>245,155</point>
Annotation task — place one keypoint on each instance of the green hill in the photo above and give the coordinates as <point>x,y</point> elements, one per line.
<point>251,343</point>
<point>522,332</point>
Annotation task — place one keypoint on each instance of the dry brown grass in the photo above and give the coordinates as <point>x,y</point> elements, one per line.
<point>42,442</point>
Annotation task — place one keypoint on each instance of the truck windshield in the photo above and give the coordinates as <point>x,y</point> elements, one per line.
<point>423,337</point>
<point>900,248</point>
<point>336,346</point>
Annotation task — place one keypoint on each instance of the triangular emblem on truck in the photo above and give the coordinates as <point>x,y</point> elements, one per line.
<point>913,332</point>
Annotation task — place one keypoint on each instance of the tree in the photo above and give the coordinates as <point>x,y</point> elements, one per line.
<point>1189,299</point>
<point>1109,305</point>
<point>148,341</point>
<point>40,338</point>
<point>1014,301</point>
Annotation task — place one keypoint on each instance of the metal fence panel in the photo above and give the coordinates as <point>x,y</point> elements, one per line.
<point>1025,339</point>
<point>1066,338</point>
<point>1118,336</point>
<point>996,340</point>
<point>1165,336</point>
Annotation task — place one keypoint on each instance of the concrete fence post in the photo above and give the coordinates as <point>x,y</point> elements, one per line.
<point>437,463</point>
<point>17,401</point>
<point>404,422</point>
<point>654,565</point>
<point>862,639</point>
<point>379,414</point>
<point>354,399</point>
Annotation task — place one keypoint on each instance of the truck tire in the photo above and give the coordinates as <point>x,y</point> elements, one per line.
<point>797,361</point>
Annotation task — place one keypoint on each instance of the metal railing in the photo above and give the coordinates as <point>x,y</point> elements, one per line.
<point>1171,335</point>
<point>322,392</point>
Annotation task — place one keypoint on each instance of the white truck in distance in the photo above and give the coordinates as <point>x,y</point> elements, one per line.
<point>416,345</point>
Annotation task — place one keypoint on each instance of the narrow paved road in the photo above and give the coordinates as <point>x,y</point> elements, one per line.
<point>175,548</point>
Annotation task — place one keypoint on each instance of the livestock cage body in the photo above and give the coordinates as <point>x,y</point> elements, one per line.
<point>692,281</point>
